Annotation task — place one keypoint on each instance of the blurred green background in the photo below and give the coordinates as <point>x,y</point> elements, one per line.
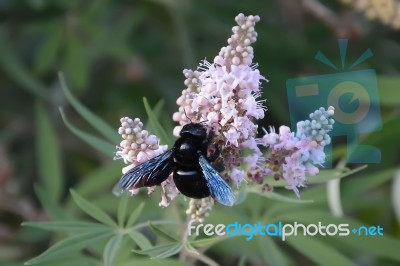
<point>114,53</point>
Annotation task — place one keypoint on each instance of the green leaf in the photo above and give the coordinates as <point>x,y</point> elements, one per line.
<point>324,176</point>
<point>207,242</point>
<point>75,259</point>
<point>307,216</point>
<point>122,209</point>
<point>188,247</point>
<point>46,53</point>
<point>157,112</point>
<point>170,252</point>
<point>270,252</point>
<point>162,233</point>
<point>100,179</point>
<point>388,89</point>
<point>12,66</point>
<point>362,183</point>
<point>243,260</point>
<point>111,249</point>
<point>385,140</point>
<point>135,215</point>
<point>388,92</point>
<point>158,108</point>
<point>92,210</point>
<point>77,62</point>
<point>158,129</point>
<point>181,28</point>
<point>147,262</point>
<point>318,251</point>
<point>161,251</point>
<point>30,235</point>
<point>140,239</point>
<point>68,226</point>
<point>381,246</point>
<point>48,154</point>
<point>50,206</point>
<point>69,245</point>
<point>97,143</point>
<point>275,196</point>
<point>106,130</point>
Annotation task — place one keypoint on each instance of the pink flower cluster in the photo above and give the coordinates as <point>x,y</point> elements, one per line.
<point>225,95</point>
<point>137,147</point>
<point>292,156</point>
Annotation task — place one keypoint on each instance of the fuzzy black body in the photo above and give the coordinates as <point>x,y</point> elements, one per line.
<point>188,176</point>
<point>193,175</point>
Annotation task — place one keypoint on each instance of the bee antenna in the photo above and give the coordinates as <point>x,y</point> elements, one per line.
<point>187,116</point>
<point>204,121</point>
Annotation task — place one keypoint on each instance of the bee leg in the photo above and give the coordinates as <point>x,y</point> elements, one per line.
<point>214,156</point>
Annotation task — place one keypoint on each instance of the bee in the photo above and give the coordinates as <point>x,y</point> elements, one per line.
<point>193,174</point>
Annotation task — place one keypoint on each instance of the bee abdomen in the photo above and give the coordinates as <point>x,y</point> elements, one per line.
<point>191,183</point>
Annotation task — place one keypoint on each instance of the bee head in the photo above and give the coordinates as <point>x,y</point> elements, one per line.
<point>194,129</point>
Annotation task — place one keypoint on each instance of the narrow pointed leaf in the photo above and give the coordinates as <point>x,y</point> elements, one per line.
<point>111,250</point>
<point>74,259</point>
<point>46,53</point>
<point>13,68</point>
<point>69,245</point>
<point>76,62</point>
<point>93,141</point>
<point>155,250</point>
<point>104,129</point>
<point>68,226</point>
<point>243,260</point>
<point>156,111</point>
<point>387,90</point>
<point>161,251</point>
<point>190,248</point>
<point>367,181</point>
<point>324,176</point>
<point>318,251</point>
<point>270,252</point>
<point>92,210</point>
<point>100,179</point>
<point>155,124</point>
<point>206,242</point>
<point>135,215</point>
<point>162,233</point>
<point>382,246</point>
<point>276,196</point>
<point>50,206</point>
<point>170,252</point>
<point>140,239</point>
<point>48,154</point>
<point>122,209</point>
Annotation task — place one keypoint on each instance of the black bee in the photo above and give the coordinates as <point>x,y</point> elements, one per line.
<point>193,175</point>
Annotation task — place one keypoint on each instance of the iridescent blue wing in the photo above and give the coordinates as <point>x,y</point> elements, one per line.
<point>219,189</point>
<point>150,173</point>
